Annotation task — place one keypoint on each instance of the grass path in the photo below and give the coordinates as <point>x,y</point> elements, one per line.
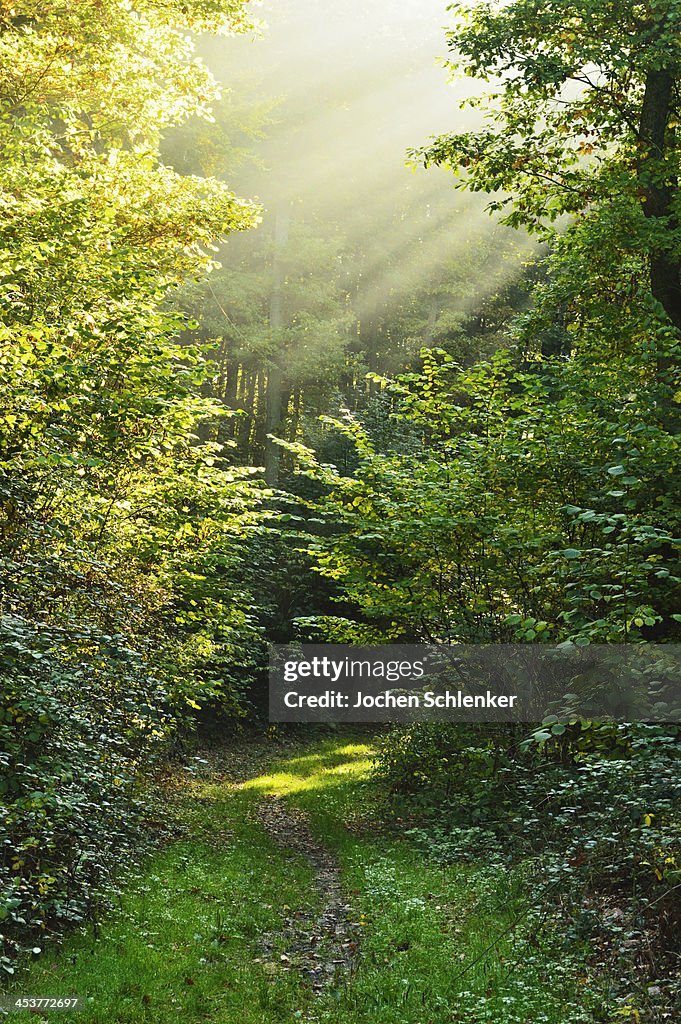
<point>322,946</point>
<point>219,926</point>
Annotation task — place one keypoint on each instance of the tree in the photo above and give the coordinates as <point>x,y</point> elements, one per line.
<point>539,497</point>
<point>123,602</point>
<point>521,510</point>
<point>369,274</point>
<point>581,121</point>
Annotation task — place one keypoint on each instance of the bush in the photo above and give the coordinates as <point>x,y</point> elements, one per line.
<point>599,818</point>
<point>73,734</point>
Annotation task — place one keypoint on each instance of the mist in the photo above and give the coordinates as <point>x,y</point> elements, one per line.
<point>349,90</point>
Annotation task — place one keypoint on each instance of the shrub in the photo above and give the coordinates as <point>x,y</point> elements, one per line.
<point>73,734</point>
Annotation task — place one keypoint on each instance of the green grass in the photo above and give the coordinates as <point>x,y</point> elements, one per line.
<point>184,945</point>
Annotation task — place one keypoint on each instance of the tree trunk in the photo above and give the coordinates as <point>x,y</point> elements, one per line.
<point>245,422</point>
<point>295,415</point>
<point>229,392</point>
<point>433,313</point>
<point>659,189</point>
<point>275,376</point>
<point>260,414</point>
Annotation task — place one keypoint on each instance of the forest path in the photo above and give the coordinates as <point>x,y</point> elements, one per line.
<point>276,858</point>
<point>322,945</point>
<point>241,915</point>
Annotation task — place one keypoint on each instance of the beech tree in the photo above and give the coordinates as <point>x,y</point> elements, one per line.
<point>581,120</point>
<point>577,145</point>
<point>122,601</point>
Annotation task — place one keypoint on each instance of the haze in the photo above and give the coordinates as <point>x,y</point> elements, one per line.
<point>356,85</point>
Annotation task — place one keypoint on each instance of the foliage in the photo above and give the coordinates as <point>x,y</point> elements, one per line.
<point>579,123</point>
<point>80,716</point>
<point>534,503</point>
<point>349,286</point>
<point>120,529</point>
<point>509,484</point>
<point>594,821</point>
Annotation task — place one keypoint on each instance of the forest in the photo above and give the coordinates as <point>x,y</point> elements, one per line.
<point>334,323</point>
